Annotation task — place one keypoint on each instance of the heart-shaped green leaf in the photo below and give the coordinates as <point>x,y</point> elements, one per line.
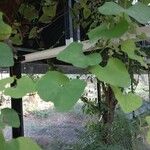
<point>129,47</point>
<point>104,32</point>
<point>74,54</point>
<point>128,102</point>
<point>4,82</point>
<point>111,8</point>
<point>21,143</point>
<point>2,124</point>
<point>50,10</point>
<point>49,85</point>
<point>33,32</point>
<point>24,85</point>
<point>6,55</point>
<point>114,73</point>
<point>10,117</point>
<point>28,11</point>
<point>56,87</point>
<point>148,120</point>
<point>74,89</point>
<point>139,11</point>
<point>2,141</point>
<point>5,29</point>
<point>142,10</point>
<point>148,137</point>
<point>16,39</point>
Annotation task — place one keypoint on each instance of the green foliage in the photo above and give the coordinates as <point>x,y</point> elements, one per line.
<point>128,102</point>
<point>6,57</point>
<point>21,143</point>
<point>114,73</point>
<point>86,12</point>
<point>143,11</point>
<point>2,141</point>
<point>103,31</point>
<point>5,29</point>
<point>56,87</point>
<point>9,117</point>
<point>49,11</point>
<point>121,135</point>
<point>4,82</point>
<point>146,2</point>
<point>148,133</point>
<point>110,65</point>
<point>33,33</point>
<point>29,12</point>
<point>24,85</point>
<point>74,54</point>
<point>148,120</point>
<point>129,47</point>
<point>148,137</point>
<point>16,39</point>
<point>48,86</point>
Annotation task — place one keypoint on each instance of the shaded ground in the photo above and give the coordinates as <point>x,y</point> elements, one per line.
<point>54,131</point>
<point>57,128</point>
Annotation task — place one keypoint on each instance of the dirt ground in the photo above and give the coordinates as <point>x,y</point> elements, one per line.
<point>52,130</point>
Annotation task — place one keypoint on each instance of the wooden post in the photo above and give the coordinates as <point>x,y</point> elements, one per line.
<point>16,104</point>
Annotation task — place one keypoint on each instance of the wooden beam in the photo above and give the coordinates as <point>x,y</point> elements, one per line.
<point>51,53</point>
<point>87,46</point>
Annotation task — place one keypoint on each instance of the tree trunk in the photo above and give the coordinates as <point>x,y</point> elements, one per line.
<point>108,115</point>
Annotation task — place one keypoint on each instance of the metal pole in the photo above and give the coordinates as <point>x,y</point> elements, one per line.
<point>99,93</point>
<point>16,104</point>
<point>68,23</point>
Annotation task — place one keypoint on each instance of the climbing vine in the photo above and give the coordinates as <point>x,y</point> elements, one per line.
<point>114,48</point>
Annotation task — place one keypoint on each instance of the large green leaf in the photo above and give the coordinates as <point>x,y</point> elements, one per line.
<point>148,120</point>
<point>139,11</point>
<point>103,31</point>
<point>129,47</point>
<point>10,117</point>
<point>2,124</point>
<point>49,85</point>
<point>50,10</point>
<point>5,29</point>
<point>22,143</point>
<point>4,82</point>
<point>45,19</point>
<point>6,55</point>
<point>74,54</point>
<point>111,8</point>
<point>69,94</point>
<point>2,141</point>
<point>56,87</point>
<point>148,137</point>
<point>16,39</point>
<point>33,32</point>
<point>24,85</point>
<point>28,11</point>
<point>128,102</point>
<point>86,12</point>
<point>114,73</point>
